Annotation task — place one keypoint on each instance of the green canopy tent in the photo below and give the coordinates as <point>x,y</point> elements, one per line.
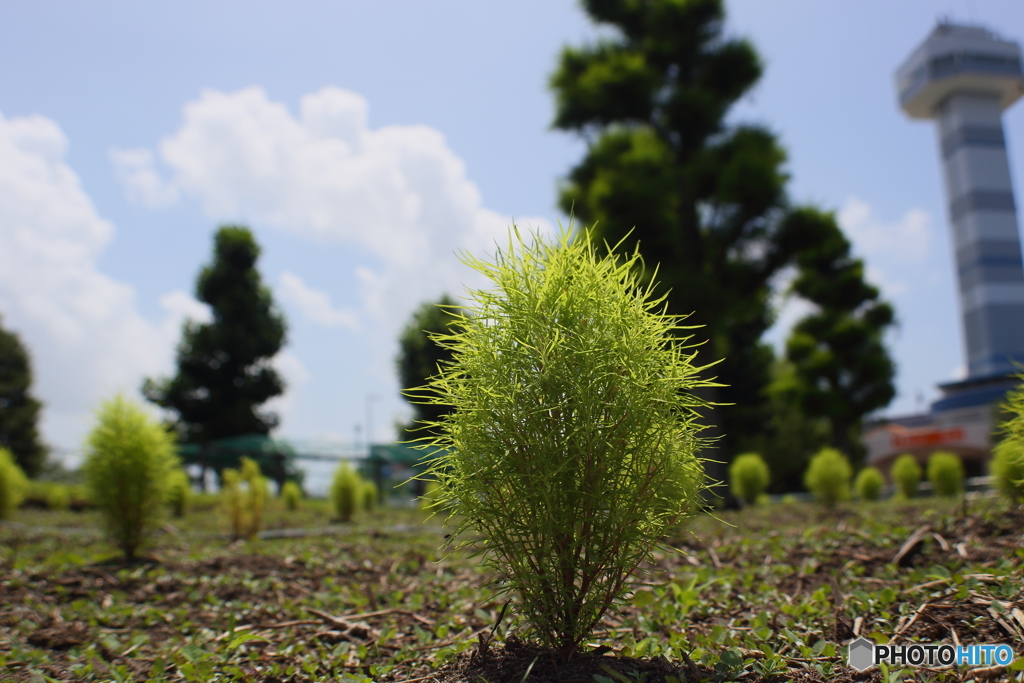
<point>275,458</point>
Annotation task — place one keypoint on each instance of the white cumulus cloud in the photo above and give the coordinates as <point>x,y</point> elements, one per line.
<point>80,326</point>
<point>313,303</point>
<point>136,171</point>
<point>398,193</point>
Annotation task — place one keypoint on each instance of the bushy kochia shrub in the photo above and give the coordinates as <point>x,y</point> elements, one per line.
<point>869,483</point>
<point>748,477</point>
<point>906,475</point>
<point>1008,456</point>
<point>346,492</point>
<point>179,492</point>
<point>1008,469</point>
<point>828,476</point>
<point>291,494</point>
<point>571,444</point>
<point>244,495</point>
<point>13,484</point>
<point>946,473</point>
<point>369,496</point>
<point>128,465</point>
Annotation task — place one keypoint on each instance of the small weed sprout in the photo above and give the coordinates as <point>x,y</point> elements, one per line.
<point>243,497</point>
<point>346,492</point>
<point>128,464</point>
<point>291,494</point>
<point>906,475</point>
<point>946,473</point>
<point>828,477</point>
<point>869,483</point>
<point>748,477</point>
<point>179,492</point>
<point>369,496</point>
<point>13,484</point>
<point>570,448</point>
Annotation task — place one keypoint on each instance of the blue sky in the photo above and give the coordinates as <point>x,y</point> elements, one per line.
<point>364,143</point>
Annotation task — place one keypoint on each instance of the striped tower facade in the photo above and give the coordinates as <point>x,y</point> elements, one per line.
<point>964,77</point>
<point>985,234</point>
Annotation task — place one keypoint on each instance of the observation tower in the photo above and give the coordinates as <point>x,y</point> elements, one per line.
<point>964,77</point>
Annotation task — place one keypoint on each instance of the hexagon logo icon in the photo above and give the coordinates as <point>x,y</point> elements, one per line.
<point>862,654</point>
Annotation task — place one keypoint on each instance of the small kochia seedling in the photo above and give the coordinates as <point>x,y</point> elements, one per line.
<point>571,445</point>
<point>128,468</point>
<point>179,492</point>
<point>291,494</point>
<point>946,473</point>
<point>13,484</point>
<point>828,477</point>
<point>748,477</point>
<point>1008,458</point>
<point>906,475</point>
<point>346,492</point>
<point>244,495</point>
<point>869,483</point>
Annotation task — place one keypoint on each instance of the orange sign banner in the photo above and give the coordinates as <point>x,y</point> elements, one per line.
<point>932,437</point>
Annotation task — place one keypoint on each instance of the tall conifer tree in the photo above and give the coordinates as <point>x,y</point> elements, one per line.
<point>224,372</point>
<point>19,410</point>
<point>702,198</point>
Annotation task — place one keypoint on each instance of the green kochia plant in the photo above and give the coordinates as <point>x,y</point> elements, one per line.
<point>906,474</point>
<point>571,443</point>
<point>946,473</point>
<point>748,477</point>
<point>869,483</point>
<point>244,495</point>
<point>13,484</point>
<point>346,492</point>
<point>128,466</point>
<point>291,494</point>
<point>828,476</point>
<point>1008,456</point>
<point>179,492</point>
<point>369,495</point>
<point>1008,469</point>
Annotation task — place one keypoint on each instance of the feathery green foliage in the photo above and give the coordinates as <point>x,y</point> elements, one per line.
<point>244,495</point>
<point>291,494</point>
<point>869,483</point>
<point>571,444</point>
<point>828,476</point>
<point>748,477</point>
<point>1008,456</point>
<point>1008,469</point>
<point>346,492</point>
<point>906,474</point>
<point>128,465</point>
<point>368,502</point>
<point>179,492</point>
<point>946,473</point>
<point>13,484</point>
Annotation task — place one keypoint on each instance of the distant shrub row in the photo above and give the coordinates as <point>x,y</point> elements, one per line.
<point>829,475</point>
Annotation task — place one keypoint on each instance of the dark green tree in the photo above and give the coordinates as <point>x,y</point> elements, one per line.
<point>704,199</point>
<point>19,410</point>
<point>838,367</point>
<point>420,357</point>
<point>224,372</point>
